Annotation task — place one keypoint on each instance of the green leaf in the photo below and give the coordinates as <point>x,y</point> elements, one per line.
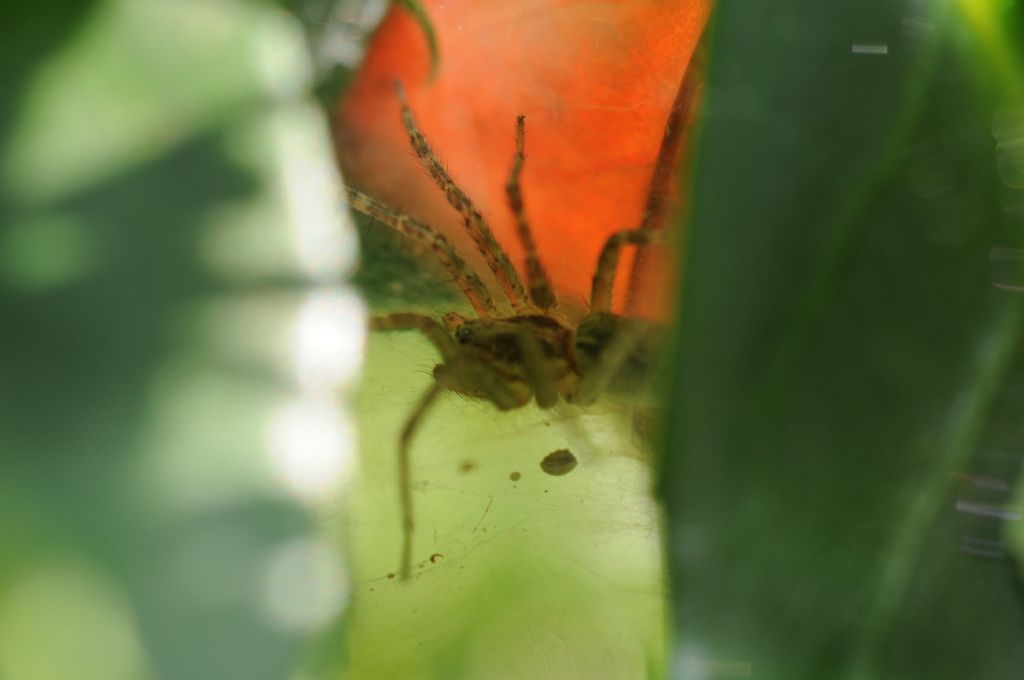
<point>415,7</point>
<point>839,453</point>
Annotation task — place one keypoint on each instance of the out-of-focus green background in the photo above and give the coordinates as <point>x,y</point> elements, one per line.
<point>179,488</point>
<point>174,343</point>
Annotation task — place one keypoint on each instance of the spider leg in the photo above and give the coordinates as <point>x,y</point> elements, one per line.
<point>457,373</point>
<point>473,379</point>
<point>432,240</point>
<point>539,380</point>
<point>608,263</point>
<point>673,141</point>
<point>537,279</point>
<point>621,347</point>
<point>405,475</point>
<point>449,351</point>
<point>431,330</point>
<point>479,231</point>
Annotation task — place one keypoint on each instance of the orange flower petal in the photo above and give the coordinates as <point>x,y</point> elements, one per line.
<point>595,82</point>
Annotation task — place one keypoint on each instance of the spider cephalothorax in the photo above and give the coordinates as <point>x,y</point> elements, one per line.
<point>518,350</point>
<point>511,359</point>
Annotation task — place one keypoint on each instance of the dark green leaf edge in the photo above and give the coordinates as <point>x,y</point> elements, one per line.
<point>415,8</point>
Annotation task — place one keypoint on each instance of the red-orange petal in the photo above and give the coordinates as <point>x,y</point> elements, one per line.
<point>595,82</point>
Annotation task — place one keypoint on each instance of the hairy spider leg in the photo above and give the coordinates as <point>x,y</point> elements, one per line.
<point>537,279</point>
<point>431,330</point>
<point>608,263</point>
<point>680,117</point>
<point>544,390</point>
<point>405,476</point>
<point>432,240</point>
<point>449,351</point>
<point>474,222</point>
<point>650,231</point>
<point>453,372</point>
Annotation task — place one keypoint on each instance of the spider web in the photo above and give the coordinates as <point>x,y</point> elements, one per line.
<point>516,573</point>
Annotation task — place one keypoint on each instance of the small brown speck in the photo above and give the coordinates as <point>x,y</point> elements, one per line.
<point>557,463</point>
<point>467,466</point>
<point>515,476</point>
<point>435,557</point>
<point>391,575</point>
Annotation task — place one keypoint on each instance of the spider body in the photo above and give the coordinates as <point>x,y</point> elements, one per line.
<point>529,355</point>
<point>511,360</point>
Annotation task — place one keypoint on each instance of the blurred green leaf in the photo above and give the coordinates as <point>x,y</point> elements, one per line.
<point>147,280</point>
<point>839,454</point>
<point>416,9</point>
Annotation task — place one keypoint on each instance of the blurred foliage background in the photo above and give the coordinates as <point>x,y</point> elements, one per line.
<point>842,442</point>
<point>173,338</point>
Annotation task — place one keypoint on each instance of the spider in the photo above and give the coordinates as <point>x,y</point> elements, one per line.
<point>509,359</point>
